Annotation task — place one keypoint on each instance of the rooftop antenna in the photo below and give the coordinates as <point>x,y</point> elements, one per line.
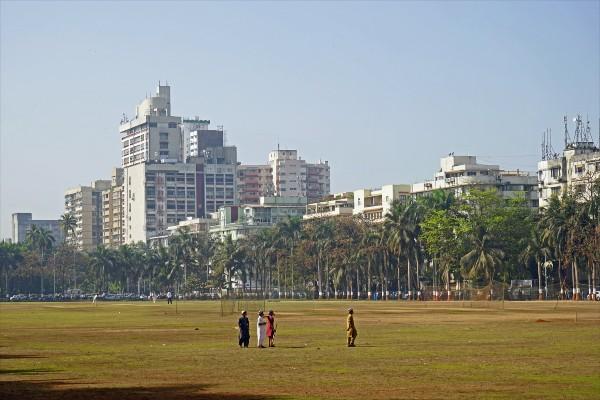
<point>567,138</point>
<point>588,130</point>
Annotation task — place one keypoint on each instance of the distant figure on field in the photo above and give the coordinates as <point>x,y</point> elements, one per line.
<point>169,297</point>
<point>271,328</point>
<point>350,328</point>
<point>244,326</point>
<point>261,330</point>
<point>95,298</point>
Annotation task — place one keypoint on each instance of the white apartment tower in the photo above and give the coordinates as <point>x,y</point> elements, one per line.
<point>159,189</point>
<point>286,175</point>
<point>154,134</point>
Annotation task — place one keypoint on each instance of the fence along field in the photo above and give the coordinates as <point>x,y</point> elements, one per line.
<point>458,349</point>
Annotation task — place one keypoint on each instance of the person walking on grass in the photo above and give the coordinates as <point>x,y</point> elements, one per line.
<point>261,330</point>
<point>169,297</point>
<point>350,328</point>
<point>244,326</point>
<point>271,328</point>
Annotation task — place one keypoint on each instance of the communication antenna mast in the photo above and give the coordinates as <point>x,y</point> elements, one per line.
<point>567,138</point>
<point>588,131</point>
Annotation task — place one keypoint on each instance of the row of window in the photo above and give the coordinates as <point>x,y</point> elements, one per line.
<point>219,179</point>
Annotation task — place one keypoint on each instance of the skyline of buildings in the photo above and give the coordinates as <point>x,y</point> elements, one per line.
<point>178,169</point>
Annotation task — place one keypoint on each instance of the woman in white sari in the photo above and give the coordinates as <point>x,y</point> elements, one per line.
<point>261,329</point>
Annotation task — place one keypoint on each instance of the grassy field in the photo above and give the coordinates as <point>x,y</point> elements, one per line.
<point>404,350</point>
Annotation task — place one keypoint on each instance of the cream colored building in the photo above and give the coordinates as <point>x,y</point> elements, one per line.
<point>286,175</point>
<point>113,218</point>
<point>336,205</point>
<point>459,174</point>
<point>157,196</point>
<point>574,170</point>
<point>85,204</point>
<point>374,204</point>
<point>153,134</point>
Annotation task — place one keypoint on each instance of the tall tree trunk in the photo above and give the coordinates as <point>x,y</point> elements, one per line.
<point>539,271</point>
<point>369,278</point>
<point>560,282</point>
<point>319,284</point>
<point>408,278</point>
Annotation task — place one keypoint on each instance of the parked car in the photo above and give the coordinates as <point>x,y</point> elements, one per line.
<point>18,297</point>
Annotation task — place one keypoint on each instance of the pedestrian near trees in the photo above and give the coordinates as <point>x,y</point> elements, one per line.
<point>351,332</point>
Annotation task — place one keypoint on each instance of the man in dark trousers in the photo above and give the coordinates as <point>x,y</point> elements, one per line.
<point>244,325</point>
<point>350,328</point>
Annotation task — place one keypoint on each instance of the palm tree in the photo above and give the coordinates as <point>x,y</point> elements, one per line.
<point>42,241</point>
<point>535,251</point>
<point>554,234</point>
<point>484,258</point>
<point>10,256</point>
<point>102,263</point>
<point>289,231</point>
<point>68,223</point>
<point>402,228</point>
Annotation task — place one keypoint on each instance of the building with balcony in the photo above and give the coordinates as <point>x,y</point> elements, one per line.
<point>374,204</point>
<point>459,174</point>
<point>336,205</point>
<point>22,223</point>
<point>574,170</point>
<point>254,182</point>
<point>85,204</point>
<point>286,175</point>
<point>158,195</point>
<point>113,217</point>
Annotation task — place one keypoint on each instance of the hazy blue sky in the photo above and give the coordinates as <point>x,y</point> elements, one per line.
<point>381,90</point>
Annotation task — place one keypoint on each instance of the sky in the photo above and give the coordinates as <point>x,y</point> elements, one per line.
<point>381,90</point>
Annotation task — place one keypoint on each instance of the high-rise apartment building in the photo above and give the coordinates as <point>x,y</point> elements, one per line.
<point>254,182</point>
<point>85,204</point>
<point>113,217</point>
<point>157,195</point>
<point>286,175</point>
<point>154,134</point>
<point>22,222</point>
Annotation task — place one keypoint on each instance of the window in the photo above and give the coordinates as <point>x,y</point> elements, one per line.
<point>210,179</point>
<point>171,205</point>
<point>151,205</point>
<point>164,153</point>
<point>579,169</point>
<point>555,172</point>
<point>152,124</point>
<point>172,124</point>
<point>164,136</point>
<point>471,173</point>
<point>164,145</point>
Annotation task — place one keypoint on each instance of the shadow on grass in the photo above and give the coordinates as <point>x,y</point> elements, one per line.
<point>61,390</point>
<point>14,356</point>
<point>31,371</point>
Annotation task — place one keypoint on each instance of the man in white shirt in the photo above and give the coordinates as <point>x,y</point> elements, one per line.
<point>261,329</point>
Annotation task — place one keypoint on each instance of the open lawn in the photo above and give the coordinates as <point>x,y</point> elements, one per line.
<point>404,350</point>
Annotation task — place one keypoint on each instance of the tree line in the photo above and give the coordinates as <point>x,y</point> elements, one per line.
<point>431,247</point>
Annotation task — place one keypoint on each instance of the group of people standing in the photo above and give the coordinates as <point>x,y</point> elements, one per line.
<point>265,327</point>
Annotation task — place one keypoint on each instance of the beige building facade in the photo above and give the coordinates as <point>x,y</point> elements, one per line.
<point>85,204</point>
<point>113,217</point>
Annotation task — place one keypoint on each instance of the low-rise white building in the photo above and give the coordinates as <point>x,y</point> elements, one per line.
<point>337,205</point>
<point>374,204</point>
<point>459,174</point>
<point>573,170</point>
